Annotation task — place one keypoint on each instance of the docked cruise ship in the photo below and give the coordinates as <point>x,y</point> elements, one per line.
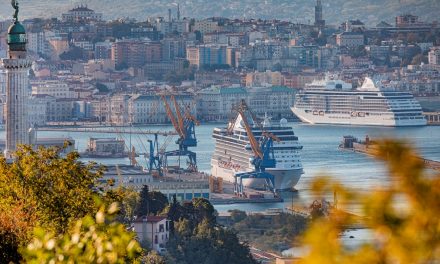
<point>232,154</point>
<point>373,104</point>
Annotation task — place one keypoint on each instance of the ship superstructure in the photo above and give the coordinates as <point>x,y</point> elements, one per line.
<point>373,104</point>
<point>233,153</point>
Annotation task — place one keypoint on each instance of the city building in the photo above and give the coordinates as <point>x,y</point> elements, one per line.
<point>216,103</point>
<point>135,53</point>
<point>54,88</point>
<point>434,56</point>
<point>409,21</point>
<point>206,55</point>
<point>103,50</point>
<point>152,231</point>
<point>150,109</point>
<point>350,39</point>
<point>81,14</point>
<point>206,26</point>
<point>264,79</point>
<point>37,109</point>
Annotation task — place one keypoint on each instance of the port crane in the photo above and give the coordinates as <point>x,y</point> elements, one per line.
<point>155,160</point>
<point>263,154</point>
<point>184,124</point>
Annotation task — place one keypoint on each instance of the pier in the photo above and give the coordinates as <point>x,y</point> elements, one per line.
<point>109,130</point>
<point>367,147</point>
<point>433,118</point>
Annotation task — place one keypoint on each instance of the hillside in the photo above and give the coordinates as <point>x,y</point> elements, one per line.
<point>335,11</point>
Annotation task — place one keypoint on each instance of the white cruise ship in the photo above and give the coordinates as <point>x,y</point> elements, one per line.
<point>231,155</point>
<point>373,104</point>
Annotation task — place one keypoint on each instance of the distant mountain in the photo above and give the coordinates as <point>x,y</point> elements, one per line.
<point>335,11</point>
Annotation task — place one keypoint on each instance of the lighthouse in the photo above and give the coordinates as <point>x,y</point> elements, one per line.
<point>17,80</point>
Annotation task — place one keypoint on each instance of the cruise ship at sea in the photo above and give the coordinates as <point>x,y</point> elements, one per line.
<point>373,104</point>
<point>232,153</point>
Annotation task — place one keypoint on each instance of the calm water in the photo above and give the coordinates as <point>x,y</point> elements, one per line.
<point>319,156</point>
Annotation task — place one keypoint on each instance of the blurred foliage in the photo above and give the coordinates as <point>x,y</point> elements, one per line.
<point>97,239</point>
<point>51,189</point>
<point>401,234</point>
<point>42,197</point>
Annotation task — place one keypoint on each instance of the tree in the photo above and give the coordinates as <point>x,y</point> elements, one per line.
<point>102,88</point>
<point>237,215</point>
<point>151,202</point>
<point>153,258</point>
<point>204,210</point>
<point>277,67</point>
<point>418,59</point>
<point>409,235</point>
<point>97,239</point>
<point>14,232</point>
<point>53,189</point>
<point>206,244</point>
<point>74,53</point>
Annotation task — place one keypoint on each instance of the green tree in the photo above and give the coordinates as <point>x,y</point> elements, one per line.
<point>204,210</point>
<point>206,244</point>
<point>151,202</point>
<point>52,189</point>
<point>418,59</point>
<point>401,235</point>
<point>97,239</point>
<point>74,53</point>
<point>153,258</point>
<point>237,215</point>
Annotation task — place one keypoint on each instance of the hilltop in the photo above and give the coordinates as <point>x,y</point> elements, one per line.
<point>335,11</point>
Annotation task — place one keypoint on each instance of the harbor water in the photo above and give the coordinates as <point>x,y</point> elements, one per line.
<point>320,155</point>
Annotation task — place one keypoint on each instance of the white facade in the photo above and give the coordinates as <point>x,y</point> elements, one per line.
<point>434,56</point>
<point>350,39</point>
<point>154,231</point>
<point>53,88</point>
<point>150,109</point>
<point>37,109</point>
<point>17,126</point>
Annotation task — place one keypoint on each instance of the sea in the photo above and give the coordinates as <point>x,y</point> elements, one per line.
<point>320,155</point>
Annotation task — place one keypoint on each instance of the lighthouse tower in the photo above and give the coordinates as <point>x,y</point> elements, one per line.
<point>17,68</point>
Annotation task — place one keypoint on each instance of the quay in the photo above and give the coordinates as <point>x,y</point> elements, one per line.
<point>433,118</point>
<point>368,147</point>
<point>109,130</point>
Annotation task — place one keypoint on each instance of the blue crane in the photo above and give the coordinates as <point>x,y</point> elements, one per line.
<point>185,127</point>
<point>155,161</point>
<point>263,155</point>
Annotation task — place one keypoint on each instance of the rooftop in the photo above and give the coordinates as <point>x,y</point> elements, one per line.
<point>150,219</point>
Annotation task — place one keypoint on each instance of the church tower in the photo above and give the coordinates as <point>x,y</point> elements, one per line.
<point>17,80</point>
<point>319,22</point>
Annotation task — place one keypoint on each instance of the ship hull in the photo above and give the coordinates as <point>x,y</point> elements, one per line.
<point>349,119</point>
<point>285,179</point>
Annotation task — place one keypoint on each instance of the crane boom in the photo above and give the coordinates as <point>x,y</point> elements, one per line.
<point>254,143</point>
<point>178,113</point>
<point>171,116</point>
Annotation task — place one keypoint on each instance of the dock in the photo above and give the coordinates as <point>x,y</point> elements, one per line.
<point>368,147</point>
<point>433,118</point>
<point>108,130</point>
